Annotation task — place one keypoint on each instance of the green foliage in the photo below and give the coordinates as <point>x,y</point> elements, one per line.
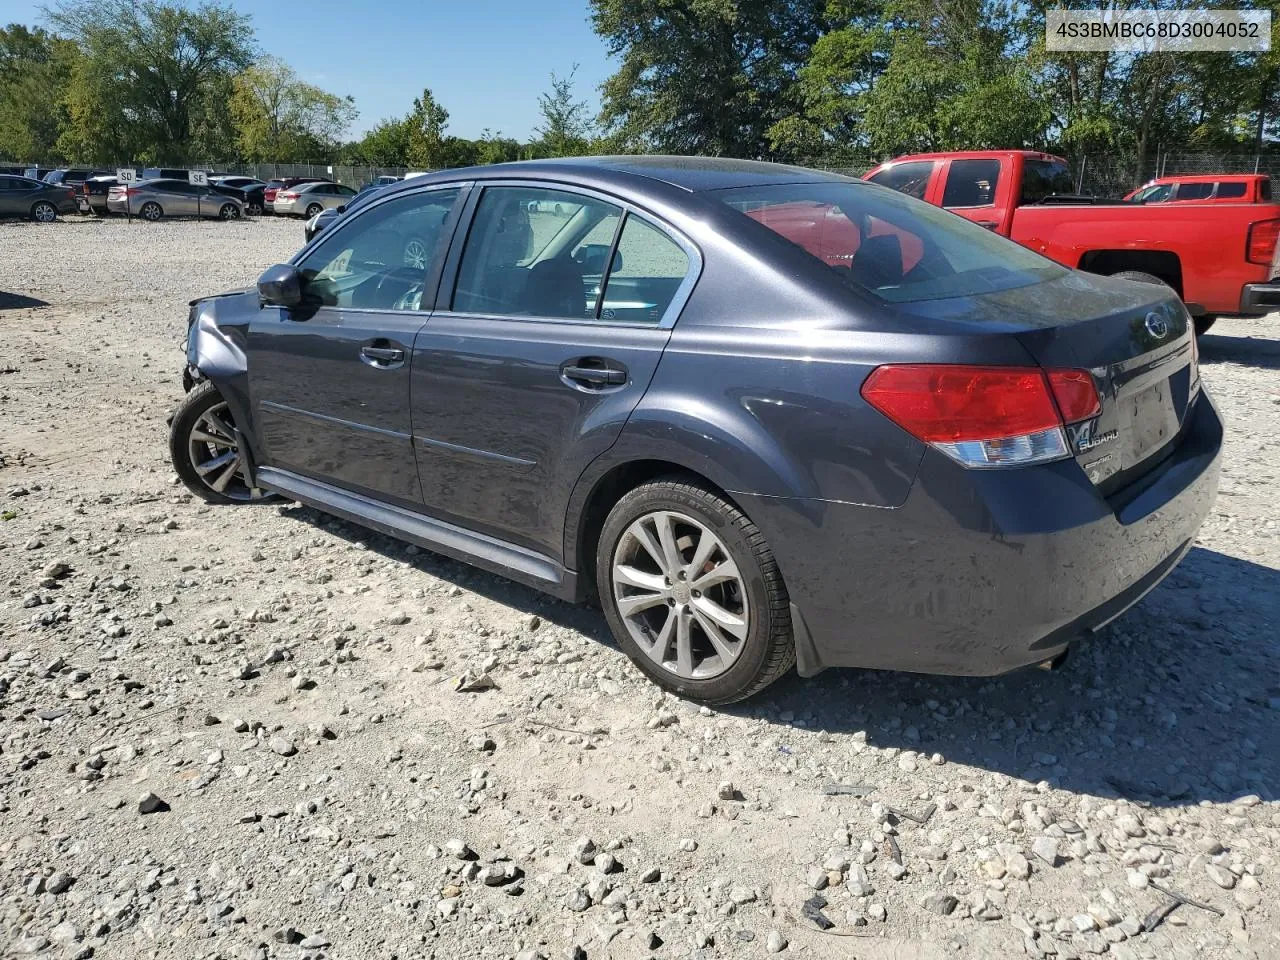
<point>427,148</point>
<point>152,76</point>
<point>35,71</point>
<point>278,117</point>
<point>566,127</point>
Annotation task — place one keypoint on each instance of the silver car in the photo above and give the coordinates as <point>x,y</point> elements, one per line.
<point>153,199</point>
<point>308,199</point>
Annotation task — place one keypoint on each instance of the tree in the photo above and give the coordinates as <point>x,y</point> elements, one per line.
<point>149,73</point>
<point>278,117</point>
<point>566,127</point>
<point>35,72</point>
<point>427,121</point>
<point>710,77</point>
<point>386,145</point>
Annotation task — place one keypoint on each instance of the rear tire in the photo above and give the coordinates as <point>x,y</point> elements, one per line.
<point>1139,276</point>
<point>1204,322</point>
<point>736,592</point>
<point>314,209</point>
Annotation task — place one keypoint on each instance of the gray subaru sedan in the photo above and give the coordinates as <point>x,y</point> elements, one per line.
<point>762,415</point>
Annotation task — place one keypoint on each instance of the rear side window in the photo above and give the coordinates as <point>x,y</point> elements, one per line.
<point>1231,190</point>
<point>971,183</point>
<point>1194,191</point>
<point>897,248</point>
<point>911,178</point>
<point>1264,191</point>
<point>520,260</point>
<point>1044,178</point>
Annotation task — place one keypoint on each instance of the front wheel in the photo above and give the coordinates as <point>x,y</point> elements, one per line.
<point>44,212</point>
<point>1204,322</point>
<point>204,447</point>
<point>229,211</point>
<point>692,592</point>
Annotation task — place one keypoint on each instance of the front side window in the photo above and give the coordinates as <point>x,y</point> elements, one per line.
<point>535,252</point>
<point>896,247</point>
<point>379,260</point>
<point>911,178</point>
<point>1156,193</point>
<point>971,183</point>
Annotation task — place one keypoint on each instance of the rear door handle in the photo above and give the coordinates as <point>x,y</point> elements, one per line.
<point>381,356</point>
<point>594,376</point>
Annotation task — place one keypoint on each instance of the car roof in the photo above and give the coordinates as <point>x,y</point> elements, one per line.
<point>975,155</point>
<point>1205,178</point>
<point>635,173</point>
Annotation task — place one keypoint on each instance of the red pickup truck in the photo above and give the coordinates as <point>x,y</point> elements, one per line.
<point>1204,188</point>
<point>1220,257</point>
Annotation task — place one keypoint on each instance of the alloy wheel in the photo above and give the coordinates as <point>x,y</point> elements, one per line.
<point>229,211</point>
<point>44,212</point>
<point>150,211</point>
<point>415,254</point>
<point>215,455</point>
<point>680,595</point>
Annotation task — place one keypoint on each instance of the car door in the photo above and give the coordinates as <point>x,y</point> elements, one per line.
<point>11,194</point>
<point>329,380</point>
<point>525,372</point>
<point>970,190</point>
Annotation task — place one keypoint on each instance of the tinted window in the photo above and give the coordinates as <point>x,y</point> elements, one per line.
<point>1264,191</point>
<point>527,254</point>
<point>648,268</point>
<point>909,178</point>
<point>1231,190</point>
<point>380,259</point>
<point>343,191</point>
<point>12,183</point>
<point>1194,191</point>
<point>893,246</point>
<point>971,183</point>
<point>1157,193</point>
<point>1045,178</point>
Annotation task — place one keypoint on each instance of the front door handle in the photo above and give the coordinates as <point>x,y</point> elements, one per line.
<point>594,376</point>
<point>382,356</point>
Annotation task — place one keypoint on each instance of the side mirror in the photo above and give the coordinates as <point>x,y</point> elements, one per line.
<point>341,208</point>
<point>280,286</point>
<point>592,257</point>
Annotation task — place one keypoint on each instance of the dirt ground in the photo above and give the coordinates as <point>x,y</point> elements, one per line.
<point>233,732</point>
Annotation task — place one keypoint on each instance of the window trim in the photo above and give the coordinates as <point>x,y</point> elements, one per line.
<point>433,277</point>
<point>449,278</point>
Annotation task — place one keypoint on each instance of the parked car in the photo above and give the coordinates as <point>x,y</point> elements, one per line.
<point>308,199</point>
<point>753,449</point>
<point>285,183</point>
<point>91,196</point>
<point>42,202</point>
<point>250,196</point>
<point>71,177</point>
<point>232,180</point>
<point>1205,188</point>
<point>153,199</point>
<point>1220,258</point>
<point>328,215</point>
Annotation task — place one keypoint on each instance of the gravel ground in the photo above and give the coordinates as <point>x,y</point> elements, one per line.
<point>235,733</point>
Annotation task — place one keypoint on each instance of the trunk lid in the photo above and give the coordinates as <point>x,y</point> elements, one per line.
<point>1137,342</point>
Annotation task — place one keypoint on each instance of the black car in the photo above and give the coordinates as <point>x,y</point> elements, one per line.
<point>765,415</point>
<point>71,177</point>
<point>35,199</point>
<point>250,195</point>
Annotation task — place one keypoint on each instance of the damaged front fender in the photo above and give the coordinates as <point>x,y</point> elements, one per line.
<point>215,352</point>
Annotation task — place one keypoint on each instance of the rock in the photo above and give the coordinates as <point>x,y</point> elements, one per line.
<point>584,850</point>
<point>58,882</point>
<point>1046,849</point>
<point>483,744</point>
<point>742,895</point>
<point>776,942</point>
<point>282,746</point>
<point>877,912</point>
<point>499,874</point>
<point>606,863</point>
<point>314,942</point>
<point>688,845</point>
<point>577,900</point>
<point>1220,875</point>
<point>651,875</point>
<point>287,935</point>
<point>530,954</point>
<point>816,878</point>
<point>1209,845</point>
<point>727,791</point>
<point>1017,866</point>
<point>150,803</point>
<point>896,871</point>
<point>459,850</point>
<point>940,903</point>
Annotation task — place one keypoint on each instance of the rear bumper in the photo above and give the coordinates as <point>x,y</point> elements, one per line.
<point>1259,298</point>
<point>982,572</point>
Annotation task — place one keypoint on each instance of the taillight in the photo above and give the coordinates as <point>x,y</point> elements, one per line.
<point>984,416</point>
<point>286,196</point>
<point>1261,246</point>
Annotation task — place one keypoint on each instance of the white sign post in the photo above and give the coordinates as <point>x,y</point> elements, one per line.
<point>198,178</point>
<point>127,176</point>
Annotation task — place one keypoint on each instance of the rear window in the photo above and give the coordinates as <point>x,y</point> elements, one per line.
<point>898,248</point>
<point>1045,178</point>
<point>911,178</point>
<point>1231,190</point>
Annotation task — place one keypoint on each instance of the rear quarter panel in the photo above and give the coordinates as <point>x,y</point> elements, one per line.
<point>1208,239</point>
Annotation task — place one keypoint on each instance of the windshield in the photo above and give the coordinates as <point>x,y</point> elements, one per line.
<point>896,247</point>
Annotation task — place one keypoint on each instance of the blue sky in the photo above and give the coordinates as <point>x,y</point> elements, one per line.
<point>486,61</point>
